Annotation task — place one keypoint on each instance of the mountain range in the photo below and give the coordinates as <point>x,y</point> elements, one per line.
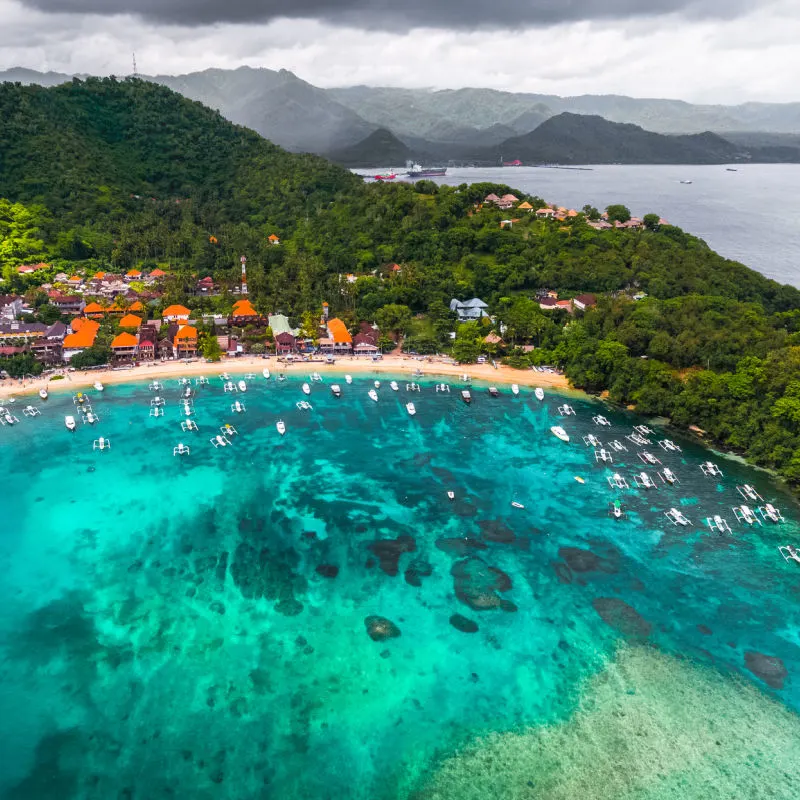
<point>474,124</point>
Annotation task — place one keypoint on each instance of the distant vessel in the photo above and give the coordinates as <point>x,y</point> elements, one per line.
<point>416,171</point>
<point>388,176</point>
<point>98,386</point>
<point>373,394</point>
<point>265,372</point>
<point>281,427</point>
<point>686,183</point>
<point>730,169</point>
<point>515,163</point>
<point>336,390</point>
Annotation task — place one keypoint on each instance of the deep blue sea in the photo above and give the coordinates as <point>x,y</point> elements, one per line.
<point>198,626</point>
<point>749,215</point>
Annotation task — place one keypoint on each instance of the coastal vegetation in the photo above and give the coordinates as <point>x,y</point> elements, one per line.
<point>110,175</point>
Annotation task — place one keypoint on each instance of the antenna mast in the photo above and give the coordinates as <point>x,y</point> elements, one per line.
<point>135,72</point>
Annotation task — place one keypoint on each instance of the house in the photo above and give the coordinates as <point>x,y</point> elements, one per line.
<point>545,213</point>
<point>547,303</point>
<point>156,274</point>
<point>68,304</point>
<point>74,281</point>
<point>124,346</point>
<point>493,338</point>
<point>491,198</point>
<point>83,337</point>
<point>136,307</point>
<point>206,286</point>
<point>176,313</point>
<point>130,321</point>
<point>146,349</point>
<point>469,310</point>
<point>28,269</point>
<point>10,307</point>
<point>600,225</point>
<point>526,206</point>
<point>186,342</point>
<point>22,330</point>
<point>285,343</point>
<point>94,310</point>
<point>166,349</point>
<point>133,275</point>
<point>509,198</point>
<point>49,348</point>
<point>584,301</point>
<point>273,239</point>
<point>243,313</point>
<point>342,340</point>
<point>564,305</point>
<point>365,349</point>
<point>395,269</point>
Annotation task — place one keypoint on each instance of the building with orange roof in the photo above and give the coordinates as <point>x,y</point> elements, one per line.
<point>243,313</point>
<point>273,239</point>
<point>94,310</point>
<point>136,306</point>
<point>176,313</point>
<point>83,337</point>
<point>99,275</point>
<point>133,274</point>
<point>185,342</point>
<point>338,340</point>
<point>130,321</point>
<point>157,273</point>
<point>124,345</point>
<point>526,206</point>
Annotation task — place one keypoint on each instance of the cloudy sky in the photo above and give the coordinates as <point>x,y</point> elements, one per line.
<point>700,50</point>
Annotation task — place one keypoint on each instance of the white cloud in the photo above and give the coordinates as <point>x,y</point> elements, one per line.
<point>752,57</point>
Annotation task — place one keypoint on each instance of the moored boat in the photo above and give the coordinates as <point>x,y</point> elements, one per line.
<point>336,390</point>
<point>281,426</point>
<point>514,389</point>
<point>98,386</point>
<point>242,386</point>
<point>539,393</point>
<point>373,395</point>
<point>411,409</point>
<point>43,393</point>
<point>69,421</point>
<point>306,388</point>
<point>493,391</point>
<point>348,379</point>
<point>394,386</point>
<point>466,396</point>
<point>515,504</point>
<point>559,433</point>
<point>265,372</point>
<point>451,495</point>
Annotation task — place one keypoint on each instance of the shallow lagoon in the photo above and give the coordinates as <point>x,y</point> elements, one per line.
<point>196,626</point>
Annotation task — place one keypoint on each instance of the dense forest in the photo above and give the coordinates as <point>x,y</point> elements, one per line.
<point>111,175</point>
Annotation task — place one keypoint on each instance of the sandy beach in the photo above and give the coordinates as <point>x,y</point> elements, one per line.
<point>393,365</point>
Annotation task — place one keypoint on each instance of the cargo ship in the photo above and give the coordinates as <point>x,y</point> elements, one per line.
<point>416,171</point>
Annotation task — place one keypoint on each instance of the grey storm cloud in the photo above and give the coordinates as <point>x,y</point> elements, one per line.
<point>396,16</point>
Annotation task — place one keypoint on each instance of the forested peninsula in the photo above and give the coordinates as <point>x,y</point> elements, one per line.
<point>106,176</point>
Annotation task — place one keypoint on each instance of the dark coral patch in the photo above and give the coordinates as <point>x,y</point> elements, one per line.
<point>622,617</point>
<point>495,530</point>
<point>579,560</point>
<point>563,572</point>
<point>460,546</point>
<point>379,628</point>
<point>388,552</point>
<point>461,623</point>
<point>269,574</point>
<point>327,570</point>
<point>417,570</point>
<point>704,629</point>
<point>770,669</point>
<point>476,584</point>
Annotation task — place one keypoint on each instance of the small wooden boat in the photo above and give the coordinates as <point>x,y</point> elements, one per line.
<point>559,433</point>
<point>451,495</point>
<point>539,393</point>
<point>515,504</point>
<point>373,395</point>
<point>281,427</point>
<point>514,389</point>
<point>493,391</point>
<point>43,393</point>
<point>466,396</point>
<point>306,388</point>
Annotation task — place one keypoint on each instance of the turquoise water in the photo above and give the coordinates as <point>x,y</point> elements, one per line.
<point>197,626</point>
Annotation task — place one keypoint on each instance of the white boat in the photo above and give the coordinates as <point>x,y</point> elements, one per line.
<point>566,410</point>
<point>69,421</point>
<point>265,373</point>
<point>451,495</point>
<point>189,425</point>
<point>411,409</point>
<point>98,386</point>
<point>229,386</point>
<point>157,401</point>
<point>306,388</point>
<point>592,441</point>
<point>242,386</point>
<point>183,381</point>
<point>515,504</point>
<point>228,430</point>
<point>643,429</point>
<point>603,455</point>
<point>466,396</point>
<point>637,438</point>
<point>188,410</point>
<point>600,420</point>
<point>617,446</point>
<point>373,394</point>
<point>238,407</point>
<point>201,381</point>
<point>616,481</point>
<point>710,468</point>
<point>90,418</point>
<point>669,446</point>
<point>156,412</point>
<point>789,553</point>
<point>43,393</point>
<point>440,387</point>
<point>514,389</point>
<point>304,405</point>
<point>676,517</point>
<point>415,387</point>
<point>394,386</point>
<point>686,183</point>
<point>644,481</point>
<point>281,427</point>
<point>668,476</point>
<point>155,386</point>
<point>249,376</point>
<point>493,391</point>
<point>559,433</point>
<point>8,418</point>
<point>220,441</point>
<point>718,524</point>
<point>769,512</point>
<point>648,458</point>
<point>31,411</point>
<point>616,510</point>
<point>748,492</point>
<point>466,378</point>
<point>281,378</point>
<point>180,450</point>
<point>377,384</point>
<point>539,393</point>
<point>315,377</point>
<point>348,379</point>
<point>336,390</point>
<point>101,444</point>
<point>225,376</point>
<point>745,515</point>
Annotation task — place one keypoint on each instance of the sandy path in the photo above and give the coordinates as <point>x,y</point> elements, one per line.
<point>389,365</point>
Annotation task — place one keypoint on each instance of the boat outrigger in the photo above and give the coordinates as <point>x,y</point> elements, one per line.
<point>642,429</point>
<point>229,386</point>
<point>769,512</point>
<point>315,377</point>
<point>745,515</point>
<point>668,476</point>
<point>157,412</point>
<point>157,402</point>
<point>304,405</point>
<point>710,469</point>
<point>603,455</point>
<point>31,411</point>
<point>749,493</point>
<point>592,441</point>
<point>7,418</point>
<point>559,433</point>
<point>189,425</point>
<point>617,446</point>
<point>669,446</point>
<point>156,386</point>
<point>616,481</point>
<point>440,387</point>
<point>181,450</point>
<point>789,553</point>
<point>220,441</point>
<point>648,458</point>
<point>238,407</point>
<point>676,517</point>
<point>415,387</point>
<point>228,430</point>
<point>90,418</point>
<point>566,410</point>
<point>644,481</point>
<point>617,510</point>
<point>638,439</point>
<point>101,444</point>
<point>600,420</point>
<point>718,524</point>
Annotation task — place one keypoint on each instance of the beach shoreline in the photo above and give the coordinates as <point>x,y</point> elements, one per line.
<point>389,365</point>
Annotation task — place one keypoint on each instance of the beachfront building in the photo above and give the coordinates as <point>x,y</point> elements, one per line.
<point>83,336</point>
<point>186,342</point>
<point>130,321</point>
<point>469,310</point>
<point>49,348</point>
<point>285,343</point>
<point>364,348</point>
<point>124,346</point>
<point>23,331</point>
<point>146,349</point>
<point>176,313</point>
<point>339,341</point>
<point>243,314</point>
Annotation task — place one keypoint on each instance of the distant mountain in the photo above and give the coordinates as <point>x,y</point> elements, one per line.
<point>380,149</point>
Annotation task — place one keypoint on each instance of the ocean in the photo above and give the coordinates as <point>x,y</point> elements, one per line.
<point>749,215</point>
<point>310,616</point>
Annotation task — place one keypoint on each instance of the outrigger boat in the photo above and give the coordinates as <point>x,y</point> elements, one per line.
<point>676,517</point>
<point>617,446</point>
<point>306,388</point>
<point>638,439</point>
<point>566,410</point>
<point>769,512</point>
<point>616,481</point>
<point>281,427</point>
<point>304,405</point>
<point>225,377</point>
<point>157,401</point>
<point>559,433</point>
<point>749,493</point>
<point>155,386</point>
<point>336,390</point>
<point>189,425</point>
<point>789,553</point>
<point>43,393</point>
<point>201,381</point>
<point>69,421</point>
<point>281,378</point>
<point>220,441</point>
<point>643,429</point>
<point>188,409</point>
<point>249,376</point>
<point>228,430</point>
<point>79,399</point>
<point>373,395</point>
<point>315,377</point>
<point>668,476</point>
<point>493,391</point>
<point>348,379</point>
<point>466,396</point>
<point>31,411</point>
<point>617,510</point>
<point>8,418</point>
<point>394,386</point>
<point>101,444</point>
<point>442,387</point>
<point>238,408</point>
<point>745,515</point>
<point>718,524</point>
<point>229,386</point>
<point>98,386</point>
<point>466,378</point>
<point>411,409</point>
<point>539,393</point>
<point>644,481</point>
<point>265,373</point>
<point>180,450</point>
<point>600,420</point>
<point>648,458</point>
<point>710,469</point>
<point>415,387</point>
<point>242,386</point>
<point>514,389</point>
<point>90,418</point>
<point>187,392</point>
<point>670,446</point>
<point>157,412</point>
<point>183,381</point>
<point>603,455</point>
<point>592,441</point>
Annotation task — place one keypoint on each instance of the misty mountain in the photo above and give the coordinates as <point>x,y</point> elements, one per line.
<point>380,149</point>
